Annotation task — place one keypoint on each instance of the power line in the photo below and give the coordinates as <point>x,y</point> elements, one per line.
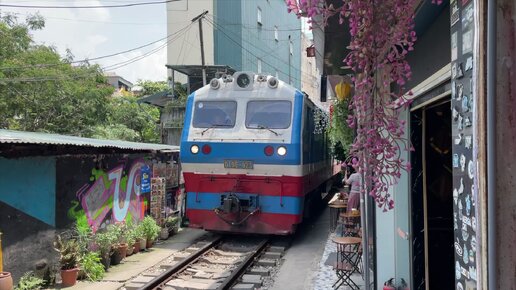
<point>109,67</point>
<point>99,57</point>
<point>86,7</point>
<point>97,21</point>
<point>248,51</point>
<point>267,53</point>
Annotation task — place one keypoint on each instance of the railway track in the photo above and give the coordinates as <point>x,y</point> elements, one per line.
<point>219,264</point>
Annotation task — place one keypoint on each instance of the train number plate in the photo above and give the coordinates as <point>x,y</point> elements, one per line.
<point>240,164</point>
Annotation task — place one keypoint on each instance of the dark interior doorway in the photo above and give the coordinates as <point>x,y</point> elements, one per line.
<point>432,198</point>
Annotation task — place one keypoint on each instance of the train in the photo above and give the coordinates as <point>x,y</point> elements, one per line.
<point>251,160</point>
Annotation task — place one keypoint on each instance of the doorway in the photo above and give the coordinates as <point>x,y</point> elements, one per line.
<point>432,197</point>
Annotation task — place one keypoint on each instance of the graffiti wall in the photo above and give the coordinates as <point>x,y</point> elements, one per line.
<point>102,190</point>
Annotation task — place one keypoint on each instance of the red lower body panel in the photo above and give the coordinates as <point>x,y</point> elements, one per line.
<point>259,223</point>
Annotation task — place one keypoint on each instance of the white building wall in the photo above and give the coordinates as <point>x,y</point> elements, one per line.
<point>184,47</point>
<point>310,75</point>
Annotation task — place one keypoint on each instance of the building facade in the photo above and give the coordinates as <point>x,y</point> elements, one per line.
<point>453,224</point>
<point>253,35</point>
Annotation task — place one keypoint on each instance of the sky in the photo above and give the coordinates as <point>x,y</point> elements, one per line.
<point>91,33</point>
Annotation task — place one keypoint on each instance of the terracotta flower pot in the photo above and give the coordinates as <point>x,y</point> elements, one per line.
<point>143,244</point>
<point>164,234</point>
<point>69,277</point>
<point>122,248</point>
<point>149,244</point>
<point>136,247</point>
<point>130,250</point>
<point>6,281</point>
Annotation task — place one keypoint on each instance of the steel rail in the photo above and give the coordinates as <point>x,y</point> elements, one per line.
<point>180,266</point>
<point>236,273</point>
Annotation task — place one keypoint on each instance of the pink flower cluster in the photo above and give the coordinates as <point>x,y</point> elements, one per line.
<point>382,34</point>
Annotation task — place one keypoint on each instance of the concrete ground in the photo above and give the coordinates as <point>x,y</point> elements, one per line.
<point>133,265</point>
<point>305,261</point>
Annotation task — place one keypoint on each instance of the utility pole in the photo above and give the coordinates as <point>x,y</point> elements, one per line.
<point>200,17</point>
<point>289,54</point>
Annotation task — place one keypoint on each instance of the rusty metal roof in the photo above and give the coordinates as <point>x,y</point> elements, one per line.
<point>21,137</point>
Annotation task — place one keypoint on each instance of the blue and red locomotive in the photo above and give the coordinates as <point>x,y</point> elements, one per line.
<point>250,158</point>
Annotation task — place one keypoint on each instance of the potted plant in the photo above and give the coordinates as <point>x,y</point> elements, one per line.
<point>68,260</point>
<point>119,245</point>
<point>104,242</point>
<point>6,281</point>
<point>92,267</point>
<point>150,229</point>
<point>129,237</point>
<point>29,281</point>
<point>135,234</point>
<point>172,223</point>
<point>141,237</point>
<point>163,234</point>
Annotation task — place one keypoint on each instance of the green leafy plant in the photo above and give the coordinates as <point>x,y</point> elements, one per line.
<point>30,282</point>
<point>91,264</point>
<point>172,222</point>
<point>150,228</point>
<point>104,241</point>
<point>69,252</point>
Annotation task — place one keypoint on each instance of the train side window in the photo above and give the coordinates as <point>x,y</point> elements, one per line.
<point>208,114</point>
<point>268,114</point>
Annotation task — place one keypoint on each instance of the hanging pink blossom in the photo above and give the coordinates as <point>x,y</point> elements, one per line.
<point>382,34</point>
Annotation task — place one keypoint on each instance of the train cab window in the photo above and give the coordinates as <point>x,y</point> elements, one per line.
<point>268,114</point>
<point>210,114</point>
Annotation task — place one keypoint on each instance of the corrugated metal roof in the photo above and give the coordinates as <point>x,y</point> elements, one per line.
<point>21,137</point>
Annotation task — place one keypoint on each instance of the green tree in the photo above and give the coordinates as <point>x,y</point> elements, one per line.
<point>152,87</point>
<point>40,91</point>
<point>128,120</point>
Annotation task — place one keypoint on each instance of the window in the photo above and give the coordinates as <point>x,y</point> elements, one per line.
<point>259,65</point>
<point>268,114</point>
<point>259,16</point>
<point>212,114</point>
<point>276,34</point>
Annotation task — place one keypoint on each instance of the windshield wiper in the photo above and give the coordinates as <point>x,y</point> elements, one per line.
<point>214,126</point>
<point>267,128</point>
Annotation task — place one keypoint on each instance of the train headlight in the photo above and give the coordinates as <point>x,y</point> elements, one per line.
<point>215,84</point>
<point>194,149</point>
<point>243,80</point>
<point>282,151</point>
<point>273,82</point>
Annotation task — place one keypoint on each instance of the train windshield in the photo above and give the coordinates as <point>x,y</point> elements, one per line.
<point>214,114</point>
<point>268,114</point>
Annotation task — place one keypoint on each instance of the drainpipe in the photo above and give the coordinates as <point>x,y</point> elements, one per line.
<point>492,261</point>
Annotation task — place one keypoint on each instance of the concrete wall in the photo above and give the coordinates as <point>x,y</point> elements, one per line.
<point>505,144</point>
<point>27,212</point>
<point>310,75</point>
<point>186,49</point>
<point>40,196</point>
<point>432,50</point>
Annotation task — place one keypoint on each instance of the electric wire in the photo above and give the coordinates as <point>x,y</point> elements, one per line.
<point>253,61</point>
<point>251,53</point>
<point>266,53</point>
<point>87,7</point>
<point>96,58</point>
<point>109,67</point>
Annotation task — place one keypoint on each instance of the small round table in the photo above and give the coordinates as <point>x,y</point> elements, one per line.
<point>337,207</point>
<point>350,223</point>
